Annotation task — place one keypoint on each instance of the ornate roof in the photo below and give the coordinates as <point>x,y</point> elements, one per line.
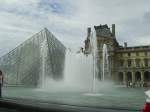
<point>103,30</point>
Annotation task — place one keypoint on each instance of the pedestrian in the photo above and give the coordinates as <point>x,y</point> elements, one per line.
<point>128,84</point>
<point>1,83</point>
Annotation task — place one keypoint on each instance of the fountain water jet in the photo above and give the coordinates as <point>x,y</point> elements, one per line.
<point>105,66</point>
<point>95,55</point>
<point>78,70</point>
<point>43,53</point>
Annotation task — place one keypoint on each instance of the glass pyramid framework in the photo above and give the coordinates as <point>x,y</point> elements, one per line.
<point>28,64</point>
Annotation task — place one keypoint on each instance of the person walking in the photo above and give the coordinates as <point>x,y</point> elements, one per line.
<point>1,83</point>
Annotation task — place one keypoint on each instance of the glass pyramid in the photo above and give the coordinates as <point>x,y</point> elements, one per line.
<point>40,56</point>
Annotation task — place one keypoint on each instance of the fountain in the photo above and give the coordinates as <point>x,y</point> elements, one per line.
<point>78,70</point>
<point>104,83</point>
<point>43,53</point>
<point>105,66</point>
<point>95,55</point>
<point>95,70</point>
<point>81,71</point>
<point>77,74</point>
<point>83,67</point>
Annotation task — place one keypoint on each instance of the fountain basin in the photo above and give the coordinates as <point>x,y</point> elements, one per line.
<point>93,94</point>
<point>117,97</point>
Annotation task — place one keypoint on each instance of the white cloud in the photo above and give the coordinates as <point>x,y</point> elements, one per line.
<point>19,19</point>
<point>8,1</point>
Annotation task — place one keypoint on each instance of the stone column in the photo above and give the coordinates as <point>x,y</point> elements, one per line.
<point>142,62</point>
<point>124,78</point>
<point>134,63</point>
<point>142,76</point>
<point>133,77</point>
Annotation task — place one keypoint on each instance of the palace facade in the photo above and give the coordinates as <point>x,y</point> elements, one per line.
<point>126,64</point>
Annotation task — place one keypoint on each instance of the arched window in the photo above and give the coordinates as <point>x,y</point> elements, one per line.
<point>120,76</point>
<point>146,76</point>
<point>129,76</point>
<point>137,76</point>
<point>146,62</point>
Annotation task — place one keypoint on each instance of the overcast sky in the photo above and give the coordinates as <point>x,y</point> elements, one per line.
<point>69,19</point>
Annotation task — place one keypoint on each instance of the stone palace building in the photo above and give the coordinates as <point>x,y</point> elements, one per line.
<point>126,64</point>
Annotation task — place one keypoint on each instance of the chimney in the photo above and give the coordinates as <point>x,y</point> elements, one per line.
<point>125,44</point>
<point>88,31</point>
<point>113,30</point>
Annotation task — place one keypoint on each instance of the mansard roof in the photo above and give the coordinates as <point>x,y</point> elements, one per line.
<point>134,48</point>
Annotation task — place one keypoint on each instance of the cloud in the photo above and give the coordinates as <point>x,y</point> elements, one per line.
<point>69,19</point>
<point>147,17</point>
